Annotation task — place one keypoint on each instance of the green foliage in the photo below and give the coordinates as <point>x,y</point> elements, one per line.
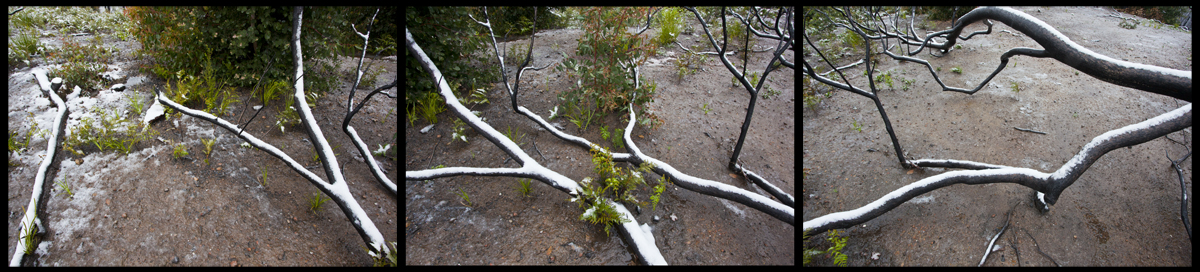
<point>616,139</point>
<point>288,117</point>
<point>610,182</point>
<point>314,204</point>
<point>670,21</point>
<point>29,232</point>
<point>515,136</point>
<point>385,261</point>
<point>855,126</point>
<point>105,135</point>
<point>431,105</point>
<point>658,190</point>
<point>601,82</point>
<point>524,189</point>
<point>465,197</point>
<point>689,64</point>
<point>839,242</point>
<point>243,41</point>
<point>459,131</point>
<point>263,181</point>
<point>885,78</point>
<point>956,70</point>
<point>65,188</point>
<point>180,151</point>
<point>1015,88</point>
<point>82,64</point>
<point>453,54</point>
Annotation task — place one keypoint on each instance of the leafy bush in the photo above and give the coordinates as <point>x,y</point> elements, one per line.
<point>602,83</point>
<point>670,22</point>
<point>453,54</point>
<point>242,40</point>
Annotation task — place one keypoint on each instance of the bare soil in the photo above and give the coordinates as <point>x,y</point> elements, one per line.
<point>149,209</point>
<point>504,227</point>
<point>1124,211</point>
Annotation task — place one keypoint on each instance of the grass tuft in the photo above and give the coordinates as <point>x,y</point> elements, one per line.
<point>314,204</point>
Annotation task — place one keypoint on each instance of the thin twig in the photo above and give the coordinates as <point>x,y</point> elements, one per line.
<point>1030,130</point>
<point>1007,219</point>
<point>538,151</point>
<point>1039,248</point>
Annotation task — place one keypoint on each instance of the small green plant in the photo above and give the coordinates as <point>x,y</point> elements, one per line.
<point>66,189</point>
<point>1015,88</point>
<point>314,204</point>
<point>465,197</point>
<point>431,105</point>
<point>272,90</point>
<point>907,82</point>
<point>835,251</point>
<point>658,190</point>
<point>263,181</point>
<point>180,151</point>
<point>135,102</point>
<point>384,261</point>
<point>459,131</point>
<point>705,108</point>
<point>515,136</point>
<point>956,70</point>
<point>616,139</point>
<point>28,232</point>
<point>885,77</point>
<point>525,189</point>
<point>208,144</point>
<point>593,195</point>
<point>855,126</point>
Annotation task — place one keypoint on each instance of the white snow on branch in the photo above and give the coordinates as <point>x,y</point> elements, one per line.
<point>1077,161</point>
<point>1075,46</point>
<point>877,204</point>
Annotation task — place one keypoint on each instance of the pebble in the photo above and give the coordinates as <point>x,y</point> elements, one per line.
<point>997,248</point>
<point>656,218</point>
<point>175,261</point>
<point>673,217</point>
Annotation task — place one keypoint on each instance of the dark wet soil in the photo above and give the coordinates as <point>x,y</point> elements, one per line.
<point>1124,211</point>
<point>159,211</point>
<point>504,227</point>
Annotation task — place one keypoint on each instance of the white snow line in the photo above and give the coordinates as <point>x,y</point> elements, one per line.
<point>1079,158</point>
<point>708,187</point>
<point>642,241</point>
<point>43,169</point>
<point>1085,51</point>
<point>371,163</point>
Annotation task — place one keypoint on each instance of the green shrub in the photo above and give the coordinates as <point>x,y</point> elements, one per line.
<point>243,41</point>
<point>601,82</point>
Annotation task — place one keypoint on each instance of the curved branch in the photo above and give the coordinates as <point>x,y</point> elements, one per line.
<point>1052,185</point>
<point>708,187</point>
<point>28,218</point>
<point>645,248</point>
<point>1160,80</point>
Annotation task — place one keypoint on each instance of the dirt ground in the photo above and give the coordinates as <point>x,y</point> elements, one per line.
<point>149,209</point>
<point>1124,211</point>
<point>503,227</point>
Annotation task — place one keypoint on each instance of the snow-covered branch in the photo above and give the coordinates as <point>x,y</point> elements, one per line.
<point>530,168</point>
<point>337,189</point>
<point>351,110</point>
<point>1050,185</point>
<point>28,218</point>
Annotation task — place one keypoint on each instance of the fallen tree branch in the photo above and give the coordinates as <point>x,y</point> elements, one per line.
<point>337,189</point>
<point>530,168</point>
<point>28,218</point>
<point>1051,184</point>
